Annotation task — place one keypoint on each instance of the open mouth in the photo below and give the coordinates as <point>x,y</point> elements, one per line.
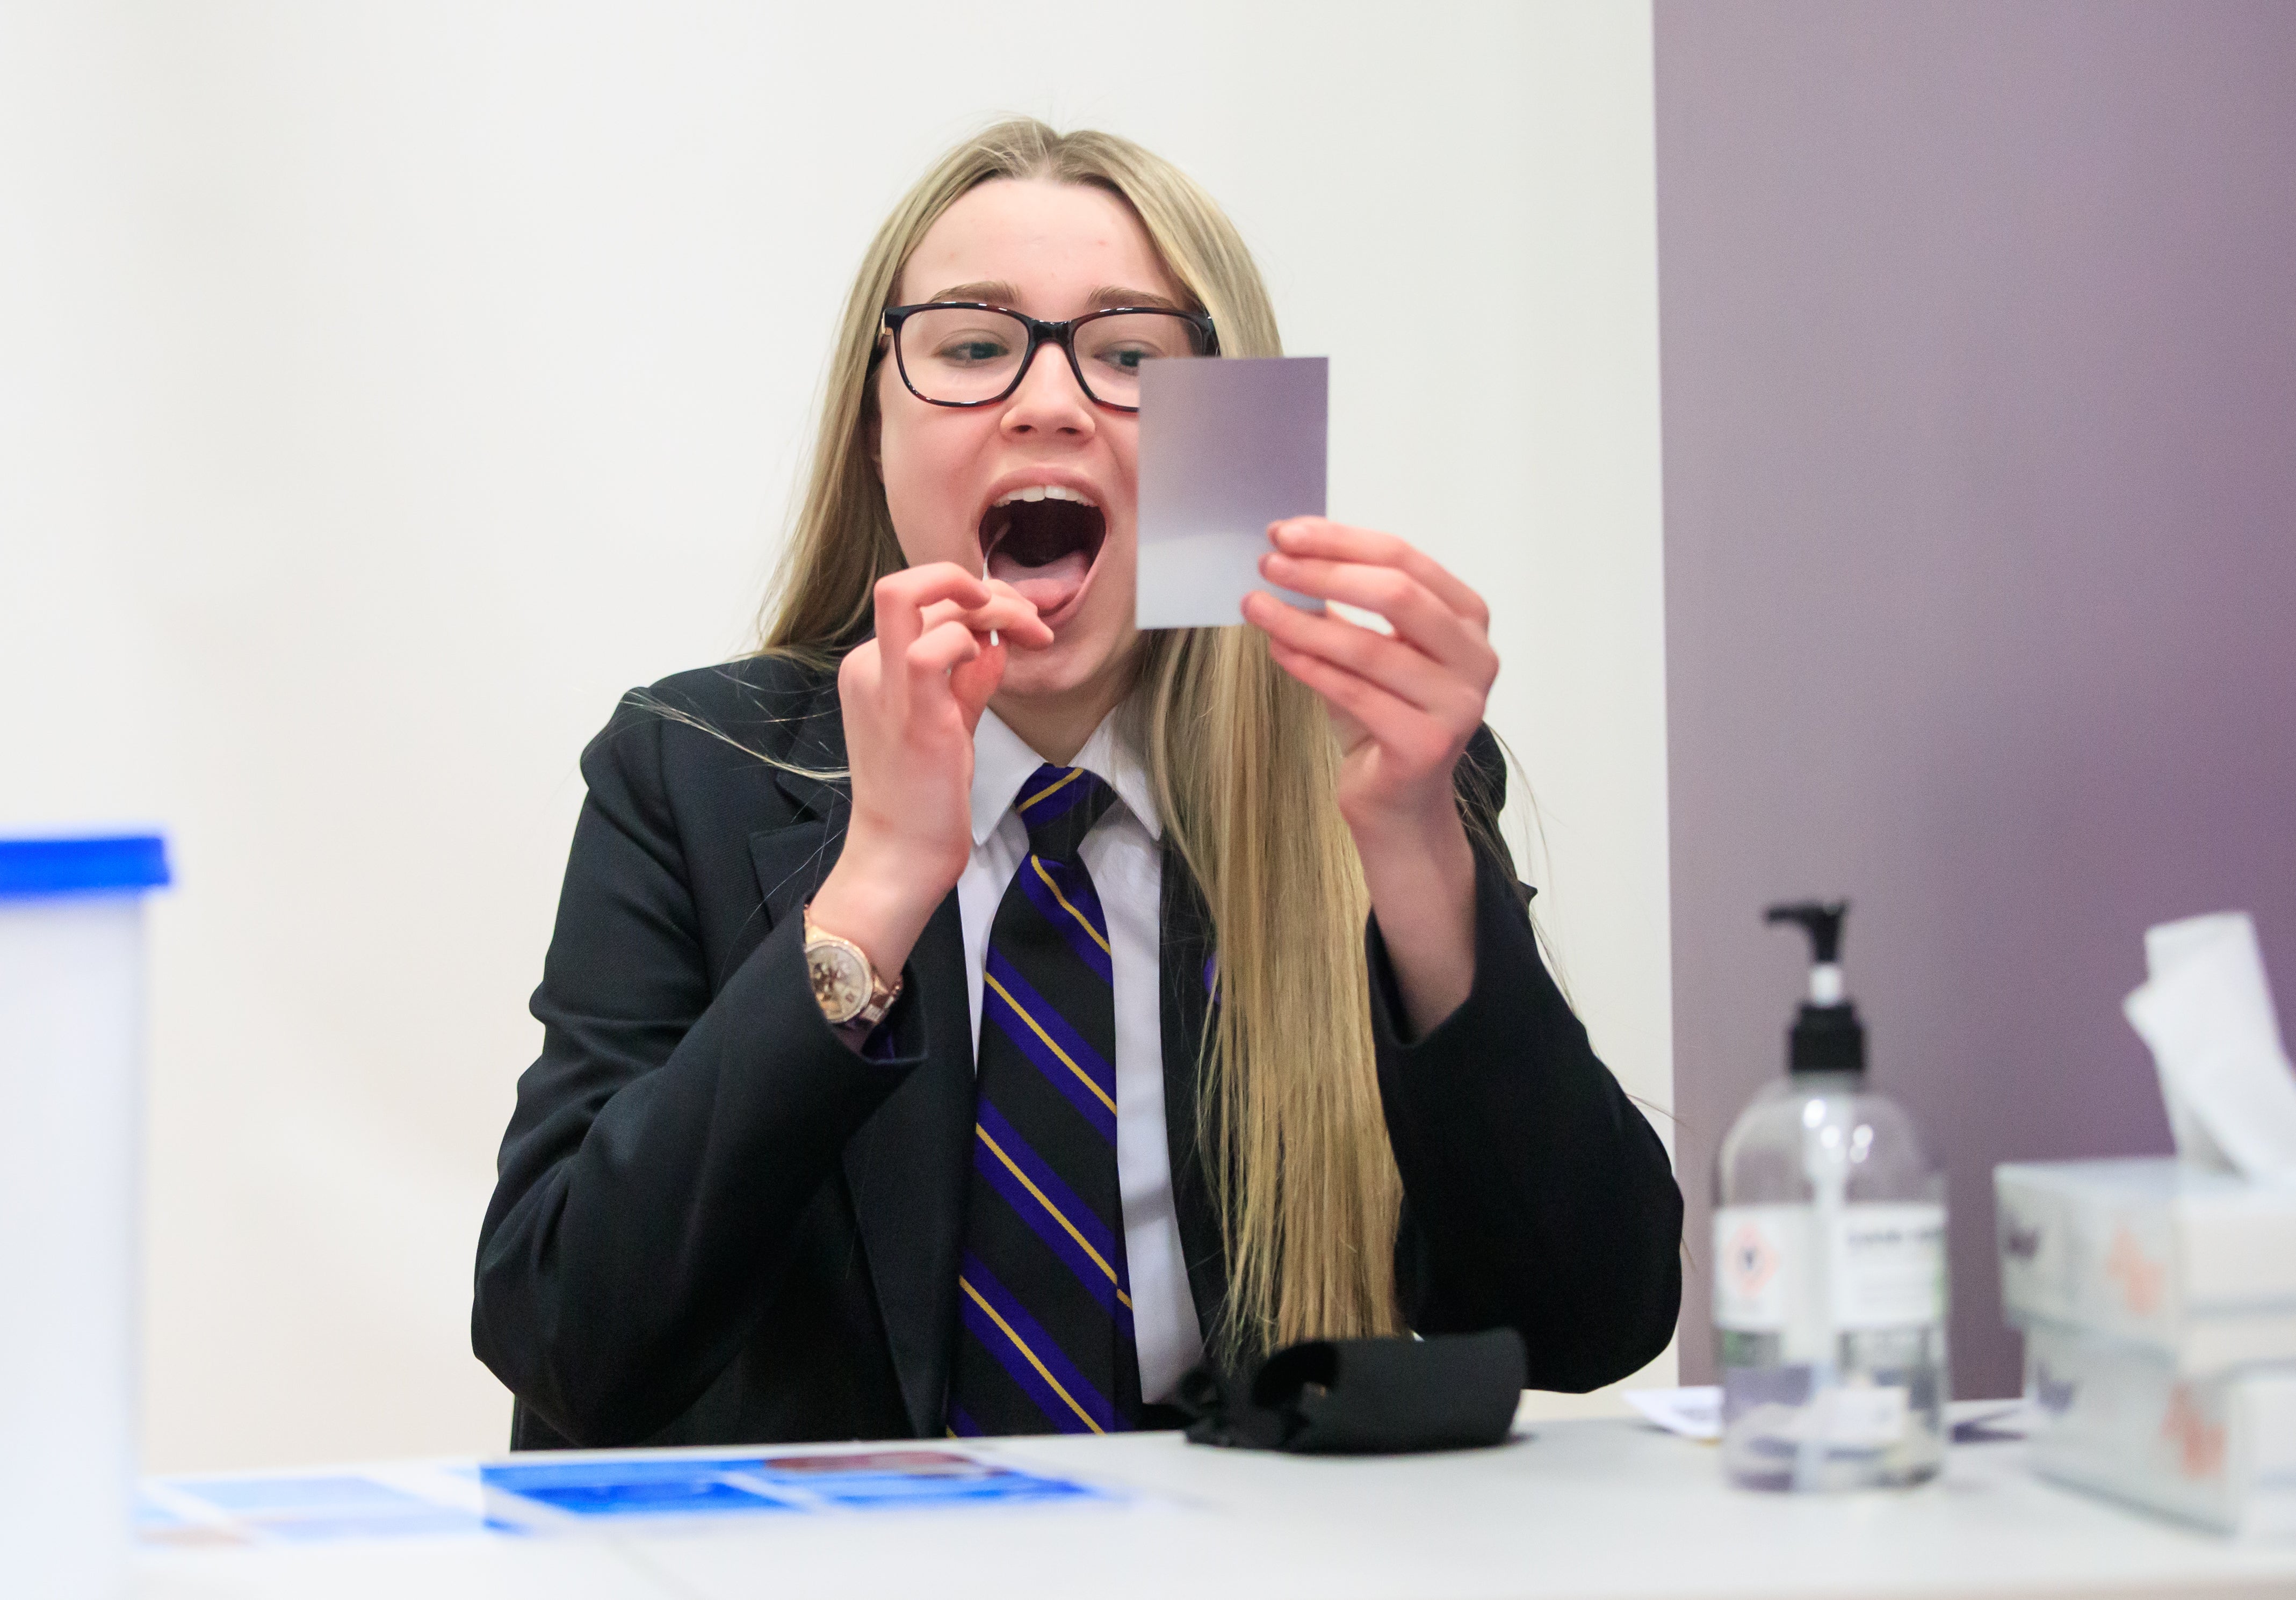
<point>1043,540</point>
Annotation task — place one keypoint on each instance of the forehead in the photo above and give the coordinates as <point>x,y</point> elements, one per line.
<point>1056,244</point>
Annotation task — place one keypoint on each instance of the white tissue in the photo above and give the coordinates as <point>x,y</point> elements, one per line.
<point>2207,1013</point>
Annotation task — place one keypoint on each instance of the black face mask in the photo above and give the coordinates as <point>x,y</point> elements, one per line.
<point>1363,1397</point>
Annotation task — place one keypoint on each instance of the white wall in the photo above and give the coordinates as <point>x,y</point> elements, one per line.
<point>384,388</point>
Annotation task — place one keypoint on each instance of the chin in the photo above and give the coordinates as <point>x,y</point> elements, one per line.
<point>1068,665</point>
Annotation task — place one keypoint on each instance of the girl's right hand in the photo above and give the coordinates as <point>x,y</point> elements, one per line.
<point>911,698</point>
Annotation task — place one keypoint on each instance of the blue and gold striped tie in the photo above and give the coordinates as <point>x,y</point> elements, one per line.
<point>1046,1344</point>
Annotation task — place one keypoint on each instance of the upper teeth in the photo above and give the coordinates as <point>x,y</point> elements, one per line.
<point>1045,491</point>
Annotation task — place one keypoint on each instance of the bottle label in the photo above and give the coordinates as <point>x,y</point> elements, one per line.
<point>1885,1268</point>
<point>1893,1271</point>
<point>1757,1249</point>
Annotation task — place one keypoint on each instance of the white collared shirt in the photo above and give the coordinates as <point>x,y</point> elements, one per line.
<point>1124,856</point>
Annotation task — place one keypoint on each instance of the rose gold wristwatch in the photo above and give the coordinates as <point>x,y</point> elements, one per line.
<point>851,993</point>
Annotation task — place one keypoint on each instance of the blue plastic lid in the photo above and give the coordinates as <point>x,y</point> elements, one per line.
<point>45,866</point>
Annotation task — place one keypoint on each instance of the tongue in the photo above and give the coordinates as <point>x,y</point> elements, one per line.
<point>1047,587</point>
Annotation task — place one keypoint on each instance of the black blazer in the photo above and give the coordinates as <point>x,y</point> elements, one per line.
<point>715,1224</point>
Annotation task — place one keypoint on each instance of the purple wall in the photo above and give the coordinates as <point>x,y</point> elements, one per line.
<point>1978,343</point>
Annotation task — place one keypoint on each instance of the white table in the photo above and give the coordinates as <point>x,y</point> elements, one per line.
<point>1589,1509</point>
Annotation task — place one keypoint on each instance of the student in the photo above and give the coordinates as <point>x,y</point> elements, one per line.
<point>968,1011</point>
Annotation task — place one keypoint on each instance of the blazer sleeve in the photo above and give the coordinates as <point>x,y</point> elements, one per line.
<point>668,1138</point>
<point>1536,1194</point>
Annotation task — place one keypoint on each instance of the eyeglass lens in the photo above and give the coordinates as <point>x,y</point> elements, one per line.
<point>961,355</point>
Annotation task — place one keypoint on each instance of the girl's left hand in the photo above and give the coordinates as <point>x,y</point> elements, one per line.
<point>1403,706</point>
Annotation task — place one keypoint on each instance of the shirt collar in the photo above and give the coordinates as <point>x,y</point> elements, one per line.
<point>1002,761</point>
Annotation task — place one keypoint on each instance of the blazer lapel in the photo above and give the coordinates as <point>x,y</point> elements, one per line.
<point>817,747</point>
<point>1185,967</point>
<point>790,861</point>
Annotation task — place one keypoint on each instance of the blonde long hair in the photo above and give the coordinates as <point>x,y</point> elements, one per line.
<point>1242,761</point>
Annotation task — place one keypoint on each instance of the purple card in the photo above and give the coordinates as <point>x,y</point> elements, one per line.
<point>1227,446</point>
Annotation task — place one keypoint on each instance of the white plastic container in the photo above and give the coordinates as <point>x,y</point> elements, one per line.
<point>2119,1419</point>
<point>72,1045</point>
<point>2200,1267</point>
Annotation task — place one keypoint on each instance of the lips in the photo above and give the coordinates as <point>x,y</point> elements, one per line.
<point>1043,540</point>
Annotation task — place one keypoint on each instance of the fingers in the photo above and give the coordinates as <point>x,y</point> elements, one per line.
<point>939,649</point>
<point>973,681</point>
<point>902,597</point>
<point>962,646</point>
<point>1403,731</point>
<point>954,657</point>
<point>1430,686</point>
<point>1321,538</point>
<point>1415,613</point>
<point>965,644</point>
<point>1415,610</point>
<point>1416,695</point>
<point>1004,612</point>
<point>935,620</point>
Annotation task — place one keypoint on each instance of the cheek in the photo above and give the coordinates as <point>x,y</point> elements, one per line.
<point>923,461</point>
<point>1124,448</point>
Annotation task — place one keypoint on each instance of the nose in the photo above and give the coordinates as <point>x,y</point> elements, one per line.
<point>1050,401</point>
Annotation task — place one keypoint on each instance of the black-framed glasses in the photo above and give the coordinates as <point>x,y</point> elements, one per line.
<point>960,353</point>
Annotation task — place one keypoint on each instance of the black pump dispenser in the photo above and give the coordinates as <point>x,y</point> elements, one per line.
<point>1826,1036</point>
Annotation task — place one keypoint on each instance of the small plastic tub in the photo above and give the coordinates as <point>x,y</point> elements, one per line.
<point>72,1050</point>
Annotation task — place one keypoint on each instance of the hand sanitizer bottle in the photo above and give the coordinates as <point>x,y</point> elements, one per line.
<point>1829,1263</point>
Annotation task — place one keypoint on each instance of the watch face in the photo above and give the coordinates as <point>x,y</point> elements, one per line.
<point>840,980</point>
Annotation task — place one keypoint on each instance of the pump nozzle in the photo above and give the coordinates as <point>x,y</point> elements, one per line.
<point>1827,1036</point>
<point>1821,920</point>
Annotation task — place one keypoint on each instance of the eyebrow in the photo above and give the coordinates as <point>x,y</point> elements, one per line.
<point>1106,299</point>
<point>994,293</point>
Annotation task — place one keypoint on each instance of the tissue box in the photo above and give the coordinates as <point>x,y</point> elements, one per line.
<point>2118,1419</point>
<point>2198,1266</point>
